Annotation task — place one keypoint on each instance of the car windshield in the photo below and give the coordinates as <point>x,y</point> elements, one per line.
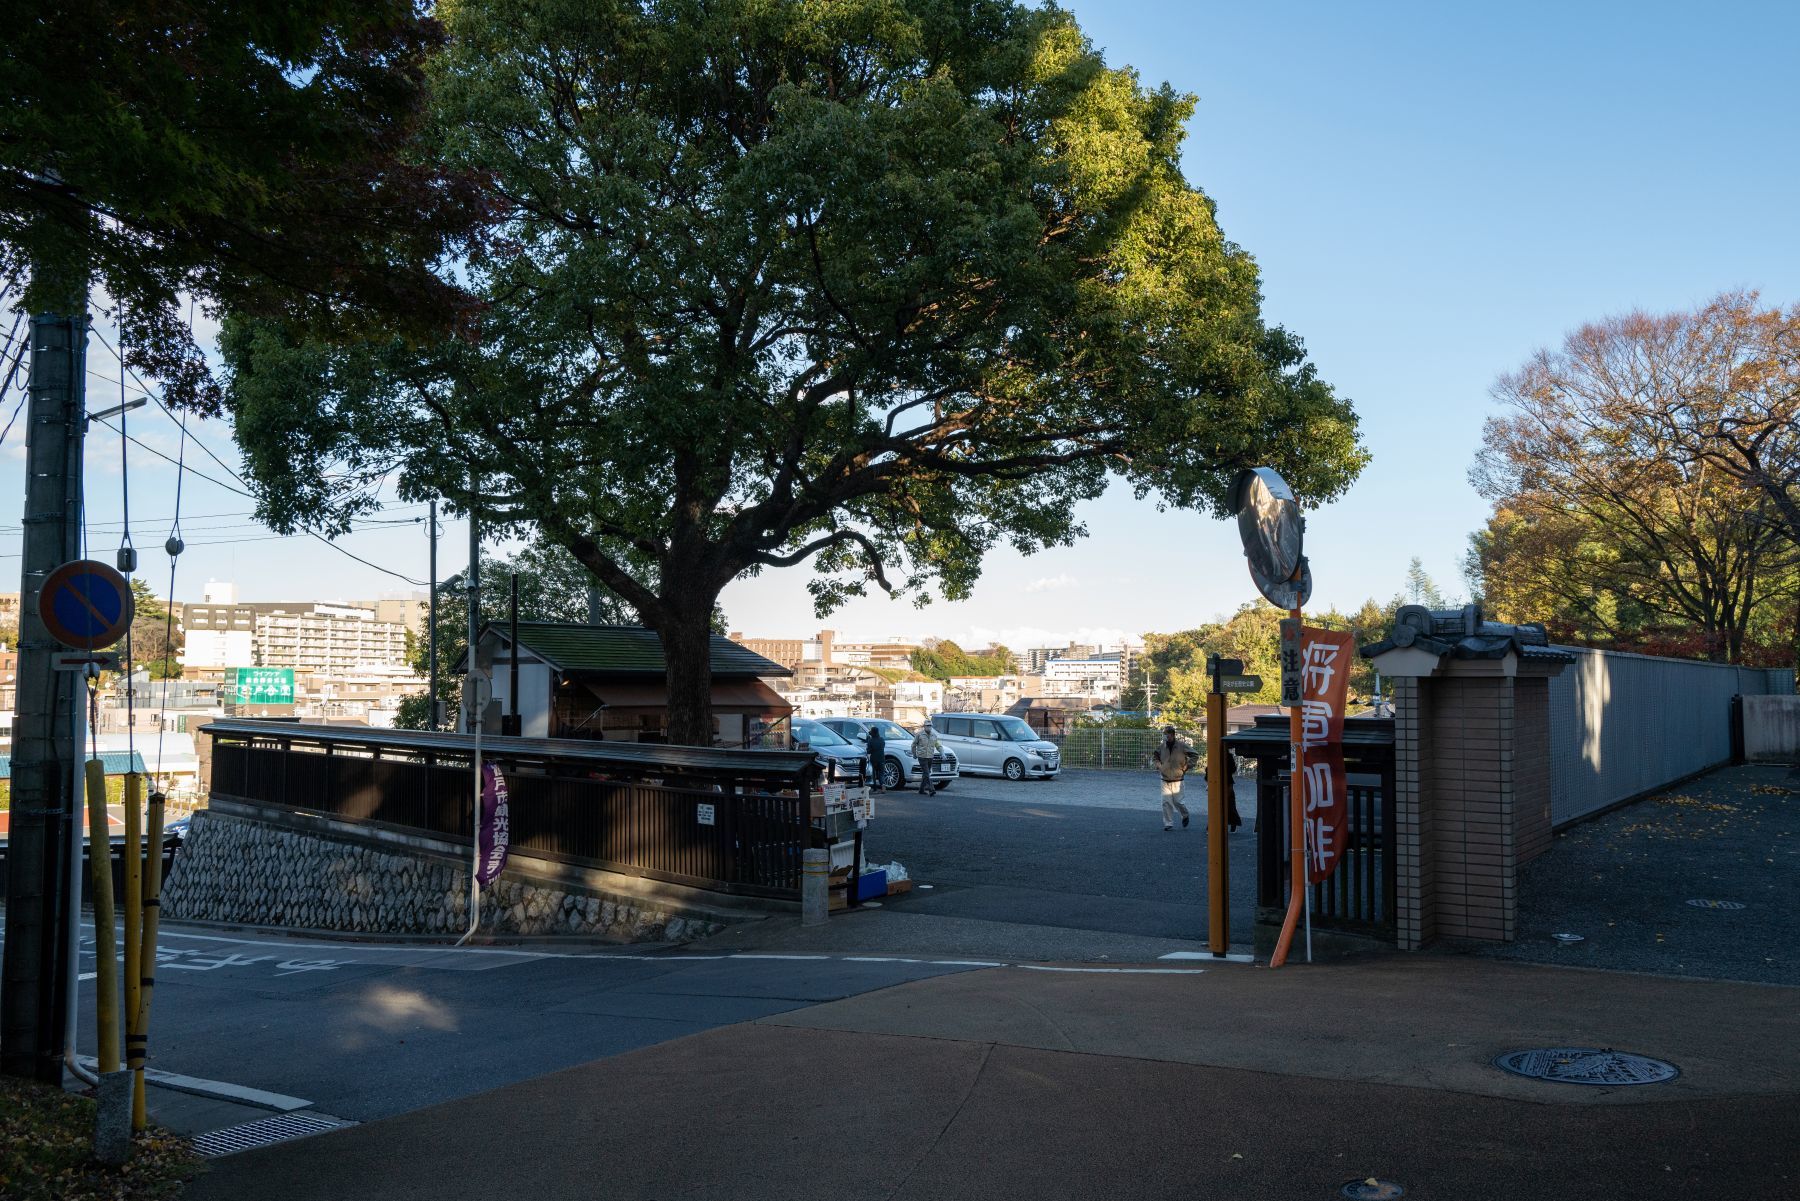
<point>892,731</point>
<point>818,735</point>
<point>1016,730</point>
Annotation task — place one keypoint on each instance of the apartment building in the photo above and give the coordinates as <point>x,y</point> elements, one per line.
<point>324,639</point>
<point>1094,675</point>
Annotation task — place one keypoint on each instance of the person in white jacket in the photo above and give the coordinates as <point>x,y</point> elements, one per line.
<point>1172,756</point>
<point>926,749</point>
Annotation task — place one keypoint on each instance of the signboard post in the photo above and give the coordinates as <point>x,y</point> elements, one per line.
<point>1218,858</point>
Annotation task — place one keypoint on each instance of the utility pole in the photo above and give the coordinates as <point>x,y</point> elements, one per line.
<point>32,998</point>
<point>431,708</point>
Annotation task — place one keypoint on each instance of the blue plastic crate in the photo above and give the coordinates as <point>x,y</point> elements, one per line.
<point>871,885</point>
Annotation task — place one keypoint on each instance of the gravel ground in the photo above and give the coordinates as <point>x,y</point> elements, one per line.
<point>1623,881</point>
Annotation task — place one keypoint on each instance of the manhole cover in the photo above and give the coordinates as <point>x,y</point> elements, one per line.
<point>1587,1065</point>
<point>264,1132</point>
<point>1698,903</point>
<point>1373,1190</point>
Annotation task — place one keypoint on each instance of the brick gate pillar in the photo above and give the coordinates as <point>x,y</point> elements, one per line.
<point>1471,769</point>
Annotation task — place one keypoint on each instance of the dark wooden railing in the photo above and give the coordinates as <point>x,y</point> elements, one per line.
<point>1359,897</point>
<point>729,821</point>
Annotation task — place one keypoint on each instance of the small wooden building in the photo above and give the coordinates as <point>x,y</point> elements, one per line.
<point>609,682</point>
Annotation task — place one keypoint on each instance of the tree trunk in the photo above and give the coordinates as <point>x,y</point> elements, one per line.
<point>686,633</point>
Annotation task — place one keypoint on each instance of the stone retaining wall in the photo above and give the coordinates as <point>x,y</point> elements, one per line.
<point>235,869</point>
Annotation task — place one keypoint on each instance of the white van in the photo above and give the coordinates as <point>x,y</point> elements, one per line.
<point>997,745</point>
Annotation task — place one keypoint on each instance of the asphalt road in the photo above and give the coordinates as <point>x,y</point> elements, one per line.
<point>1085,851</point>
<point>367,1030</point>
<point>1233,1081</point>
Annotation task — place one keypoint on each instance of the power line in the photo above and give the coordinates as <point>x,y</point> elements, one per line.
<point>171,459</point>
<point>125,368</point>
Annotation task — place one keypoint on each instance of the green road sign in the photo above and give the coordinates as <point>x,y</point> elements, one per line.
<point>260,685</point>
<point>1240,683</point>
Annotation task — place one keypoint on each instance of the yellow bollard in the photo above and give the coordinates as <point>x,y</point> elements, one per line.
<point>134,916</point>
<point>106,964</point>
<point>152,906</point>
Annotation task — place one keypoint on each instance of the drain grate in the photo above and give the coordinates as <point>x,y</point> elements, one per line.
<point>265,1132</point>
<point>1699,903</point>
<point>1586,1065</point>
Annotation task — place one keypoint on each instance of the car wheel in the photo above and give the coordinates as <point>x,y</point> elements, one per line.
<point>1014,769</point>
<point>891,776</point>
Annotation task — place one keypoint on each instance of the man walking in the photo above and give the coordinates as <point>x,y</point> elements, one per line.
<point>1172,755</point>
<point>926,749</point>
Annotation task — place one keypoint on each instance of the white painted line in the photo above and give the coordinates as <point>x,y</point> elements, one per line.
<point>965,963</point>
<point>1209,957</point>
<point>877,959</point>
<point>87,976</point>
<point>758,956</point>
<point>214,1088</point>
<point>1114,971</point>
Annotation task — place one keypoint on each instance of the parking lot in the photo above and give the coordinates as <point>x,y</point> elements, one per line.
<point>1084,851</point>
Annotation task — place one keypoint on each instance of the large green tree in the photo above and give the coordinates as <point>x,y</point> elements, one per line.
<point>876,284</point>
<point>253,154</point>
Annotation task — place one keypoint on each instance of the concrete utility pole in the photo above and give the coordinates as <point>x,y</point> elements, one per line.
<point>431,688</point>
<point>32,998</point>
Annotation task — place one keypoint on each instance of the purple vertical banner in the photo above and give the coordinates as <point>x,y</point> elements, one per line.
<point>496,821</point>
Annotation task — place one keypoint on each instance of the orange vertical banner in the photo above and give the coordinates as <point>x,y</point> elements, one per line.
<point>1326,657</point>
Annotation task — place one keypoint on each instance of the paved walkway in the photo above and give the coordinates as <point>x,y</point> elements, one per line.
<point>1016,1083</point>
<point>1623,883</point>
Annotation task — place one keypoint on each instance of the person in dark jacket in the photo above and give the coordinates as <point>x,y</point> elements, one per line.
<point>877,757</point>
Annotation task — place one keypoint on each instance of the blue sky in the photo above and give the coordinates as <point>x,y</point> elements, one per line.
<point>1432,192</point>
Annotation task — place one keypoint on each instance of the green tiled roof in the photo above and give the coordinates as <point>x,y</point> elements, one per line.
<point>628,650</point>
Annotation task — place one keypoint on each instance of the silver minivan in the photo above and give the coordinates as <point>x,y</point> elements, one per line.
<point>997,745</point>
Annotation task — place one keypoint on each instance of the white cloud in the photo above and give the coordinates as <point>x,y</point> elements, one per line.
<point>1052,583</point>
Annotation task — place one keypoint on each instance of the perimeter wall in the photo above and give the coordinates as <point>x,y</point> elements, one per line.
<point>1622,725</point>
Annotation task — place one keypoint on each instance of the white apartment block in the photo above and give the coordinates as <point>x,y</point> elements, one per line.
<point>1096,676</point>
<point>328,640</point>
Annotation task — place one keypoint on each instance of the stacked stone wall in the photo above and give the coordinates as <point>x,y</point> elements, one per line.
<point>238,870</point>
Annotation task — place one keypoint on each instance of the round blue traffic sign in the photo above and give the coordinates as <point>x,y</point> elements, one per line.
<point>85,605</point>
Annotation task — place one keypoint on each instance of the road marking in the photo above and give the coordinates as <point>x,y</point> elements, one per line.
<point>214,1088</point>
<point>444,956</point>
<point>1117,971</point>
<point>754,955</point>
<point>1209,957</point>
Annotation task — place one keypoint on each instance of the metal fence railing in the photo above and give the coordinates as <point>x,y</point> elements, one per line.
<point>729,835</point>
<point>1108,749</point>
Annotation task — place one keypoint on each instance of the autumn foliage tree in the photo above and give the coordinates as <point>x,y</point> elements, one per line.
<point>873,285</point>
<point>1641,476</point>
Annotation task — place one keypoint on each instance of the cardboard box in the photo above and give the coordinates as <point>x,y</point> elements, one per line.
<point>899,886</point>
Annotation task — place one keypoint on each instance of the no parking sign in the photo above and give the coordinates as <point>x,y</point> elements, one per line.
<point>85,605</point>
